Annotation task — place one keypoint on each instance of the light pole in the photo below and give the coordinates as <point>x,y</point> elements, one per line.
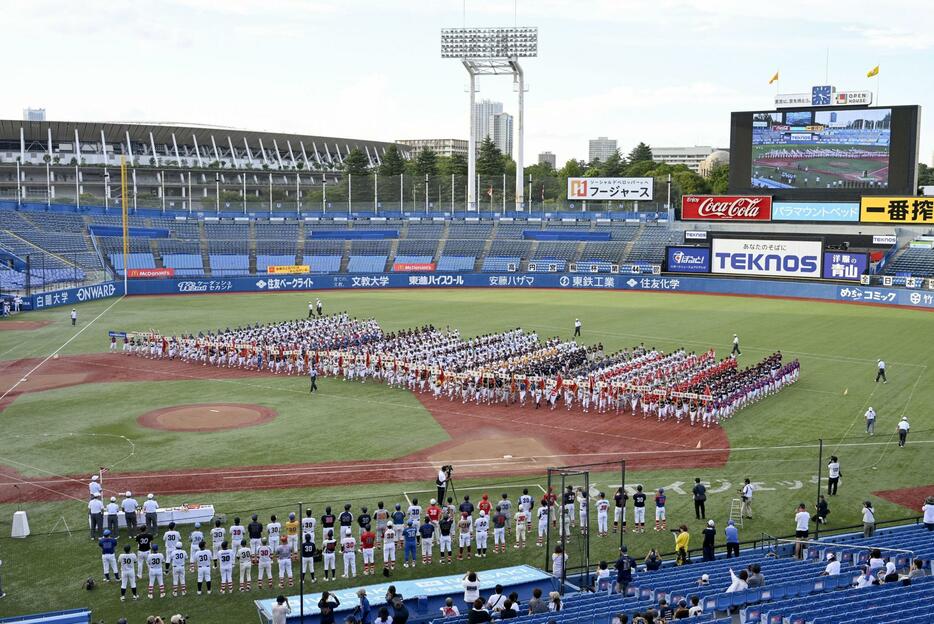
<point>492,52</point>
<point>217,192</point>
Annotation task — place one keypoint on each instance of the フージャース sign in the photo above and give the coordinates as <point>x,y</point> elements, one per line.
<point>613,189</point>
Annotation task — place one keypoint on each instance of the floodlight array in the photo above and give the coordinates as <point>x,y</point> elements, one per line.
<point>487,43</point>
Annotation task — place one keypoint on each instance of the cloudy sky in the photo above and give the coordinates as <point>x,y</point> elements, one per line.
<point>667,72</point>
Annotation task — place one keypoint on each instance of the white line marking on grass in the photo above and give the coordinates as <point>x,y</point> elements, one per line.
<point>891,439</point>
<point>54,353</point>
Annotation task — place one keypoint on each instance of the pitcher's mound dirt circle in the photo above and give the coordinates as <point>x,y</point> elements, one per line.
<point>207,417</point>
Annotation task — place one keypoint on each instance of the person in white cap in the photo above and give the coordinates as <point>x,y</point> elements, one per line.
<point>833,566</point>
<point>902,429</point>
<point>96,513</point>
<point>94,487</point>
<point>113,520</point>
<point>129,506</point>
<point>736,350</point>
<point>150,508</point>
<point>577,327</point>
<point>880,373</point>
<point>871,421</point>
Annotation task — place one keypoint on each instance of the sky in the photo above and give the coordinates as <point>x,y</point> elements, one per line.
<point>667,72</point>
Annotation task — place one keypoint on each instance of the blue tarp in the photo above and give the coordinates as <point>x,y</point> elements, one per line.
<point>72,616</point>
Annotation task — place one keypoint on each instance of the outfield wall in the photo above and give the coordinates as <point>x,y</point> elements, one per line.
<point>852,293</point>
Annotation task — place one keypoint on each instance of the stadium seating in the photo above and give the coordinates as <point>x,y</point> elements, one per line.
<point>456,263</point>
<point>264,261</point>
<point>229,264</point>
<point>143,260</point>
<point>495,264</point>
<point>913,261</point>
<point>366,264</point>
<point>323,264</point>
<point>185,264</point>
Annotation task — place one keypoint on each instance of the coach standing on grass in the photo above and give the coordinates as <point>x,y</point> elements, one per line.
<point>577,327</point>
<point>902,430</point>
<point>880,373</point>
<point>700,498</point>
<point>736,350</point>
<point>74,317</point>
<point>313,377</point>
<point>96,511</point>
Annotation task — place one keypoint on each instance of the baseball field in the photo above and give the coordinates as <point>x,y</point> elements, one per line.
<point>250,442</point>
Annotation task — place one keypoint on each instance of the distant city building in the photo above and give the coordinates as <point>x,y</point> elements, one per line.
<point>501,132</point>
<point>717,157</point>
<point>483,118</point>
<point>33,114</point>
<point>547,157</point>
<point>601,148</point>
<point>441,147</point>
<point>690,156</point>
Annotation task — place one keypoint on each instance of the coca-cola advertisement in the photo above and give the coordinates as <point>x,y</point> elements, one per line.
<point>726,208</point>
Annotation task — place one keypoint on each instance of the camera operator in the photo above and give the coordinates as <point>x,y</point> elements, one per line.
<point>442,481</point>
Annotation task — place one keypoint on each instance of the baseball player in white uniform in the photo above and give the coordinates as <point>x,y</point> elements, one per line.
<point>203,559</point>
<point>178,559</point>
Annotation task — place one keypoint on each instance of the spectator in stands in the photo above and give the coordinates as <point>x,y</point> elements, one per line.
<point>876,562</point>
<point>602,582</point>
<point>554,602</point>
<point>869,519</point>
<point>280,611</point>
<point>624,566</point>
<point>682,612</point>
<point>704,580</point>
<point>471,583</point>
<point>833,566</point>
<point>732,539</point>
<point>928,510</point>
<point>449,609</point>
<point>822,510</point>
<point>620,618</point>
<point>917,570</point>
<point>696,608</point>
<point>514,597</point>
<point>755,579</point>
<point>682,542</point>
<point>496,600</point>
<point>653,561</point>
<point>536,604</point>
<point>664,609</point>
<point>738,583</point>
<point>890,575</point>
<point>509,610</point>
<point>383,617</point>
<point>326,607</point>
<point>866,579</point>
<point>558,560</point>
<point>400,613</point>
<point>390,593</point>
<point>478,615</point>
<point>362,611</point>
<point>802,520</point>
<point>710,534</point>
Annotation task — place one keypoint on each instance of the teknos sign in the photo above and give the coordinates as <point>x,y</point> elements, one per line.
<point>726,208</point>
<point>766,258</point>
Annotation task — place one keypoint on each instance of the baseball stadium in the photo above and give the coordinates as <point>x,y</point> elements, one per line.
<point>250,374</point>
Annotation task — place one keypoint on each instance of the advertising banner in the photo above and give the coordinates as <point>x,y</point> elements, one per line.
<point>618,189</point>
<point>726,207</point>
<point>897,210</point>
<point>72,296</point>
<point>150,273</point>
<point>884,239</point>
<point>767,258</point>
<point>286,269</point>
<point>695,235</point>
<point>845,265</point>
<point>847,212</point>
<point>408,267</point>
<point>688,260</point>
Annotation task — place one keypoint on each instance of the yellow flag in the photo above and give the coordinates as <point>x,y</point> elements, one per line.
<point>775,77</point>
<point>873,72</point>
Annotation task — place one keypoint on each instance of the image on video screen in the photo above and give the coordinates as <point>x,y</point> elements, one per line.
<point>822,149</point>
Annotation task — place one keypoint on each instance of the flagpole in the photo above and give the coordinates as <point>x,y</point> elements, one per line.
<point>877,88</point>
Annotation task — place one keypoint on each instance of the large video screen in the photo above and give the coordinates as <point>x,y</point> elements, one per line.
<point>821,149</point>
<point>825,153</point>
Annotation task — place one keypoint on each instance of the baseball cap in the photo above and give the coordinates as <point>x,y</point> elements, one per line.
<point>291,516</point>
<point>113,499</point>
<point>710,523</point>
<point>830,556</point>
<point>129,493</point>
<point>106,532</point>
<point>705,577</point>
<point>94,477</point>
<point>197,525</point>
<point>149,496</point>
<point>434,502</point>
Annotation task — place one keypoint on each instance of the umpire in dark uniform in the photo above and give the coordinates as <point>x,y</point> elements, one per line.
<point>700,497</point>
<point>313,377</point>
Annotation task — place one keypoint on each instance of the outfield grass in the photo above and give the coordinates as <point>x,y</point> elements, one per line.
<point>836,343</point>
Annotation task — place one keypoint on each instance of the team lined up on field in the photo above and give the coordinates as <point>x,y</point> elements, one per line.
<point>508,368</point>
<point>414,531</point>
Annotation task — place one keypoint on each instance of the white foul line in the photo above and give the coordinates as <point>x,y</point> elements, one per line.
<point>65,344</point>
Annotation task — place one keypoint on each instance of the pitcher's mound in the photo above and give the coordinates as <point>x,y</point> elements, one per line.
<point>207,417</point>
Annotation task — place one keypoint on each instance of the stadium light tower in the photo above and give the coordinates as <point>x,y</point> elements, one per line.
<point>492,52</point>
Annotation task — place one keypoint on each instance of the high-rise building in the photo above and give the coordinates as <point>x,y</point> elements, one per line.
<point>501,132</point>
<point>441,147</point>
<point>483,118</point>
<point>547,157</point>
<point>601,148</point>
<point>692,157</point>
<point>33,114</point>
